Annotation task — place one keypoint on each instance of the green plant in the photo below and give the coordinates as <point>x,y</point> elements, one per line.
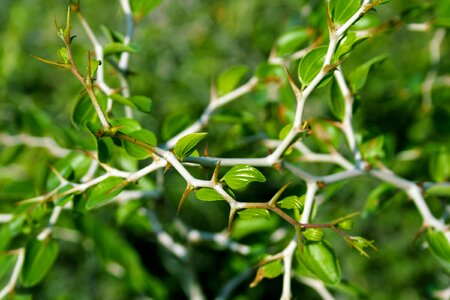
<point>273,165</point>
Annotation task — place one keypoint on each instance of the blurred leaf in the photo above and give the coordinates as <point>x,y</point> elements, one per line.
<point>342,10</point>
<point>186,145</point>
<point>336,101</point>
<point>174,123</point>
<point>142,103</point>
<point>240,176</point>
<point>229,79</point>
<point>103,192</point>
<point>373,149</point>
<point>118,48</point>
<point>378,198</point>
<point>368,21</point>
<point>105,149</point>
<point>311,65</point>
<point>439,190</point>
<point>291,41</point>
<point>439,165</point>
<point>126,211</point>
<point>358,76</point>
<point>140,8</point>
<point>266,72</point>
<point>7,263</point>
<point>83,111</point>
<point>39,257</point>
<point>440,246</point>
<point>113,248</point>
<point>254,213</point>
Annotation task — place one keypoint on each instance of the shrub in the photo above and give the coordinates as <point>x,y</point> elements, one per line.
<point>321,166</point>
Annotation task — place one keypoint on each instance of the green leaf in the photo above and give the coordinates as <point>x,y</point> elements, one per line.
<point>291,41</point>
<point>292,202</point>
<point>126,211</point>
<point>142,7</point>
<point>117,48</point>
<point>142,135</point>
<point>378,199</point>
<point>61,201</point>
<point>208,194</point>
<point>125,125</point>
<point>104,191</point>
<point>336,101</point>
<point>442,190</point>
<point>373,148</point>
<point>359,75</point>
<point>186,145</point>
<point>348,43</point>
<point>266,72</point>
<point>311,65</point>
<point>174,123</point>
<point>368,21</point>
<point>63,54</point>
<point>39,257</point>
<point>94,66</point>
<point>7,263</point>
<point>254,213</point>
<point>439,245</point>
<point>230,78</point>
<point>342,10</point>
<point>320,259</point>
<point>439,165</point>
<point>105,149</point>
<point>273,269</point>
<point>142,103</point>
<point>83,111</point>
<point>240,176</point>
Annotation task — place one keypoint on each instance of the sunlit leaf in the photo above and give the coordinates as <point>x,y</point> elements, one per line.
<point>186,145</point>
<point>311,65</point>
<point>254,213</point>
<point>240,176</point>
<point>208,194</point>
<point>342,10</point>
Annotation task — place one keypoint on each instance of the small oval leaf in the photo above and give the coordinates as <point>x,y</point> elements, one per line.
<point>320,259</point>
<point>186,145</point>
<point>142,135</point>
<point>240,175</point>
<point>208,194</point>
<point>230,78</point>
<point>311,65</point>
<point>39,257</point>
<point>254,213</point>
<point>104,191</point>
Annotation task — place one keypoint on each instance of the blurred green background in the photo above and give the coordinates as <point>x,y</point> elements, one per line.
<point>183,46</point>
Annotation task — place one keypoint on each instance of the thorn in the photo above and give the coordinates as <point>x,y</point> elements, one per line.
<point>215,177</point>
<point>277,195</point>
<point>183,198</point>
<point>297,91</point>
<point>231,217</point>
